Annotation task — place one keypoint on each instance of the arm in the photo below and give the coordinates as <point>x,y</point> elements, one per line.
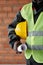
<point>12,35</point>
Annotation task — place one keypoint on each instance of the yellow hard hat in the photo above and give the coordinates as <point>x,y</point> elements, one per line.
<point>21,29</point>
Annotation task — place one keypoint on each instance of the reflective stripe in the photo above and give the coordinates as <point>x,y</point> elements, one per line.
<point>35,47</point>
<point>36,33</point>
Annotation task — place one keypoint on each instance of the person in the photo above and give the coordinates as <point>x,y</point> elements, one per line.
<point>33,13</point>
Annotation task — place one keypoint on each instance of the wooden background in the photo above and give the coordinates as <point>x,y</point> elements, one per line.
<point>8,10</point>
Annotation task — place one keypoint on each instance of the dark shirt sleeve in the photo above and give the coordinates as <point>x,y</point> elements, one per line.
<point>11,33</point>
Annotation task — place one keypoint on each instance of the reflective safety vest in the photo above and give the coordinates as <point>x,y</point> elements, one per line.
<point>33,40</point>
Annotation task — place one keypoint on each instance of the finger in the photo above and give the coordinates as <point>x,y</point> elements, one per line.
<point>22,41</point>
<point>18,52</point>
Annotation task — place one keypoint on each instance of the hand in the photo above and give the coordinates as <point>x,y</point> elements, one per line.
<point>16,45</point>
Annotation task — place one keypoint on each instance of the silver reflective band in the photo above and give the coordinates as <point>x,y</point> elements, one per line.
<point>35,33</point>
<point>35,47</point>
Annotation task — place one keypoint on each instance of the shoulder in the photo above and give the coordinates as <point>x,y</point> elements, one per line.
<point>25,9</point>
<point>26,6</point>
